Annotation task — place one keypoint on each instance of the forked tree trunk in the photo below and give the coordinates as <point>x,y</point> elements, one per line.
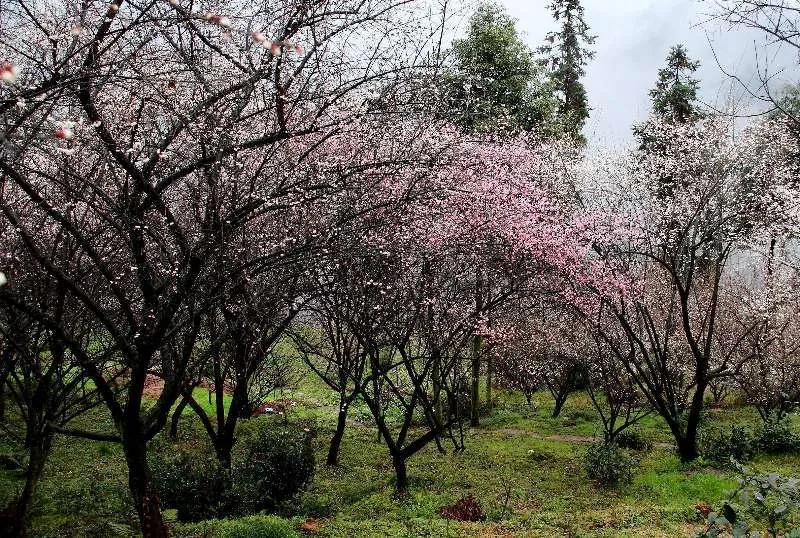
<point>336,440</point>
<point>560,400</point>
<point>176,417</point>
<point>145,500</point>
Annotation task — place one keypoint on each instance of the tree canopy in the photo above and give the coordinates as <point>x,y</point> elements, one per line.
<point>494,83</point>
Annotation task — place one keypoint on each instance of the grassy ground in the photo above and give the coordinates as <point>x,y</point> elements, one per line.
<point>524,467</point>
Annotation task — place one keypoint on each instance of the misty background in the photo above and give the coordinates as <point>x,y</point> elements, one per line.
<point>634,37</point>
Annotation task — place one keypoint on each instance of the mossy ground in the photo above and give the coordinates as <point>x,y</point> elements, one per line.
<point>524,467</point>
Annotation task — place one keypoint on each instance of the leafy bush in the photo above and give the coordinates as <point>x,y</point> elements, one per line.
<point>276,465</point>
<point>719,446</point>
<point>608,464</point>
<point>249,527</point>
<point>768,501</point>
<point>271,464</point>
<point>190,480</point>
<point>465,509</point>
<point>777,437</point>
<point>633,440</point>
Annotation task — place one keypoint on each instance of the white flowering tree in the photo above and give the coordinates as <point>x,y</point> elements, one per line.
<point>724,193</point>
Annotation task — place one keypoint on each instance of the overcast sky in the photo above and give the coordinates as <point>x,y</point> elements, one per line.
<point>634,37</point>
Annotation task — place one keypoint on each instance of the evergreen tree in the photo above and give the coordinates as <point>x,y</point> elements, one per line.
<point>787,103</point>
<point>675,95</point>
<point>674,101</point>
<point>495,84</point>
<point>568,54</point>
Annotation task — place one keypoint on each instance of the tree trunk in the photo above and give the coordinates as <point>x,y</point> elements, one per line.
<point>38,452</point>
<point>476,372</point>
<point>560,399</point>
<point>377,391</point>
<point>336,440</point>
<point>176,417</point>
<point>476,350</point>
<point>226,426</point>
<point>489,383</point>
<point>687,448</point>
<point>437,386</point>
<point>2,398</point>
<point>223,446</point>
<point>401,475</point>
<point>5,371</point>
<point>147,504</point>
<point>685,440</point>
<point>687,443</point>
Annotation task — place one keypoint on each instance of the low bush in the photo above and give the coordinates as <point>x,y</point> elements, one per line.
<point>465,509</point>
<point>579,415</point>
<point>189,479</point>
<point>609,464</point>
<point>260,526</point>
<point>464,401</point>
<point>633,439</point>
<point>276,465</point>
<point>768,502</point>
<point>271,465</point>
<point>719,446</point>
<point>777,437</point>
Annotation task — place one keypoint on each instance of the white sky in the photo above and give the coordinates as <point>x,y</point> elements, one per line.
<point>634,37</point>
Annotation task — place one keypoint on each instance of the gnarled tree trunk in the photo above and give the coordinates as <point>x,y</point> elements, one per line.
<point>145,499</point>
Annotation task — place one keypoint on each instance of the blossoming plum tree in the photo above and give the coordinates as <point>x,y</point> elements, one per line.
<point>725,194</point>
<point>149,135</point>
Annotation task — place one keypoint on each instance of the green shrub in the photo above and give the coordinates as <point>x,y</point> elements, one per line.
<point>189,479</point>
<point>609,464</point>
<point>762,501</point>
<point>777,437</point>
<point>632,439</point>
<point>275,465</point>
<point>260,526</point>
<point>271,464</point>
<point>719,446</point>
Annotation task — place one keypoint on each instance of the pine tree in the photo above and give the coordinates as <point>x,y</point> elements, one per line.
<point>674,100</point>
<point>567,54</point>
<point>675,95</point>
<point>494,84</point>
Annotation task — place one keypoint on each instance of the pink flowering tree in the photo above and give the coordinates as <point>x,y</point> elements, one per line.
<point>149,135</point>
<point>542,346</point>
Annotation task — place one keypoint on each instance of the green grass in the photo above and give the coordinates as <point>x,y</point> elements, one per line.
<point>529,482</point>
